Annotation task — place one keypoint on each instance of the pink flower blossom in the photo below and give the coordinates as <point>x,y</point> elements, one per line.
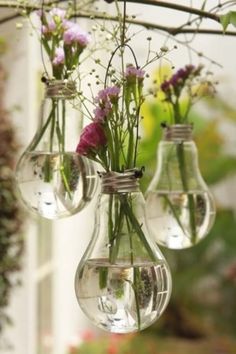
<point>67,24</point>
<point>110,93</point>
<point>105,99</point>
<point>112,349</point>
<point>88,335</point>
<point>51,25</point>
<point>132,73</point>
<point>59,56</point>
<point>178,78</point>
<point>40,13</point>
<point>92,139</point>
<point>100,113</point>
<point>74,34</point>
<point>44,29</point>
<point>59,13</point>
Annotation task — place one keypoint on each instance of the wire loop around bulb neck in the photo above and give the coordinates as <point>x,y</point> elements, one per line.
<point>116,182</point>
<point>178,132</point>
<point>60,89</point>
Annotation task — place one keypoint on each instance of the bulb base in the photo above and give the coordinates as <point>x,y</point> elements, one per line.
<point>178,132</point>
<point>115,182</point>
<point>60,89</point>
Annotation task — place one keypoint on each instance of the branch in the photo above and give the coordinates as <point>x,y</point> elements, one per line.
<point>174,31</point>
<point>177,7</point>
<point>158,3</point>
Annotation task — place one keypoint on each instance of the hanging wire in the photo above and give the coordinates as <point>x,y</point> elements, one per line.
<point>124,24</point>
<point>74,9</point>
<point>121,46</point>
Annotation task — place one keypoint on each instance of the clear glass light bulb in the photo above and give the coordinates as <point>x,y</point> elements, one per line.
<point>123,282</point>
<point>180,207</point>
<point>53,180</point>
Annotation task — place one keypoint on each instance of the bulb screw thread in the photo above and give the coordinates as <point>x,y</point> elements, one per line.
<point>124,182</point>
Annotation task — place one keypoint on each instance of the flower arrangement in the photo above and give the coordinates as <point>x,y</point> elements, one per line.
<point>63,40</point>
<point>177,191</point>
<point>112,138</point>
<point>183,89</point>
<point>122,271</point>
<point>58,185</point>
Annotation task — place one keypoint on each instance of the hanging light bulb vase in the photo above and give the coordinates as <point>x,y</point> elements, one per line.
<point>180,207</point>
<point>123,283</point>
<point>53,180</point>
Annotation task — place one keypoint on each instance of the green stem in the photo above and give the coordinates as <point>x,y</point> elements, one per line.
<point>55,108</point>
<point>111,148</point>
<point>110,223</point>
<point>177,115</point>
<point>64,168</point>
<point>136,279</point>
<point>136,274</point>
<point>130,149</point>
<point>183,175</point>
<point>116,236</point>
<point>37,138</point>
<point>63,124</point>
<point>47,165</point>
<point>137,227</point>
<point>103,272</point>
<point>167,200</point>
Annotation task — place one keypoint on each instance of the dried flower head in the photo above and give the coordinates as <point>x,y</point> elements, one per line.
<point>92,139</point>
<point>188,82</point>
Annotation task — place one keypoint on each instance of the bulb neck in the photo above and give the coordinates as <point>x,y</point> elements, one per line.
<point>178,132</point>
<point>115,182</point>
<point>60,89</point>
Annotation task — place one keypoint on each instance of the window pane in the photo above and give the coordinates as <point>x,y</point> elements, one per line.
<point>44,242</point>
<point>45,316</point>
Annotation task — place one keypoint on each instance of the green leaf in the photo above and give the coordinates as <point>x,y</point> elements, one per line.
<point>233,18</point>
<point>229,18</point>
<point>225,20</point>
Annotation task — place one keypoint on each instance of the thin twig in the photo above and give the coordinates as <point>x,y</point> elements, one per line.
<point>148,25</point>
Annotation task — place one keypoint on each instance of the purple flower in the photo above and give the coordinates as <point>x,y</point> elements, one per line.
<point>175,79</point>
<point>40,13</point>
<point>108,94</point>
<point>165,86</point>
<point>74,34</point>
<point>102,111</point>
<point>51,25</point>
<point>132,73</point>
<point>59,56</point>
<point>112,91</point>
<point>67,24</point>
<point>105,99</point>
<point>99,114</point>
<point>181,75</point>
<point>59,13</point>
<point>178,80</point>
<point>44,29</point>
<point>92,139</point>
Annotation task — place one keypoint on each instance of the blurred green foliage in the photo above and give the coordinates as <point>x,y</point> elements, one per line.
<point>11,217</point>
<point>148,344</point>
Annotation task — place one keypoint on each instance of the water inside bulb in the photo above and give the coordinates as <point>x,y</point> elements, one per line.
<point>130,298</point>
<point>53,180</point>
<point>54,185</point>
<point>180,207</point>
<point>170,218</point>
<point>123,282</point>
